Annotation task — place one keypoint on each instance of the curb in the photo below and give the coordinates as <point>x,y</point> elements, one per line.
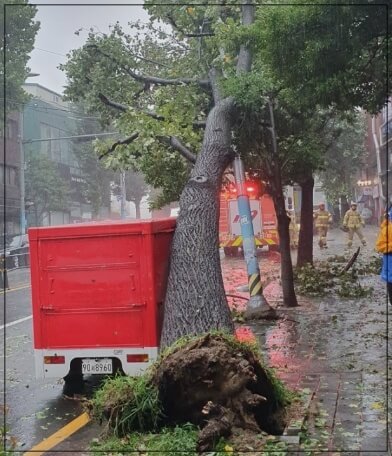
<point>291,433</point>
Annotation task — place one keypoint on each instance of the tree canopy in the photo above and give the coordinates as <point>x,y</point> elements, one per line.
<point>154,82</point>
<point>45,187</point>
<point>331,54</point>
<point>219,78</point>
<point>17,30</point>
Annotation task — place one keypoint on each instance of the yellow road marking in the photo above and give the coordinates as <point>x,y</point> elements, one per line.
<point>63,433</point>
<point>21,287</point>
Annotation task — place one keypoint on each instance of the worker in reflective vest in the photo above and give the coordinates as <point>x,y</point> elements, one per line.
<point>354,222</point>
<point>322,220</point>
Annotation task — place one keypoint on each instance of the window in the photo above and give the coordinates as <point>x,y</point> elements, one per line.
<point>10,176</point>
<point>45,145</point>
<point>11,129</point>
<point>57,149</point>
<point>56,145</point>
<point>7,175</point>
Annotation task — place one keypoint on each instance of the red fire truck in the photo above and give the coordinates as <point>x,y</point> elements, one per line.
<point>263,215</point>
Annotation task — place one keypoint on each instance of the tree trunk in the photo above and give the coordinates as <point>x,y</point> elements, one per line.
<point>195,300</point>
<point>344,206</point>
<point>335,214</point>
<point>137,208</point>
<point>286,265</point>
<point>305,243</point>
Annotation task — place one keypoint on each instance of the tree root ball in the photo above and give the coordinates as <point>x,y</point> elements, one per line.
<point>218,384</point>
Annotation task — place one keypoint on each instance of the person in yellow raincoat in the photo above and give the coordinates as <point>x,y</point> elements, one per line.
<point>322,219</point>
<point>384,246</point>
<point>354,222</point>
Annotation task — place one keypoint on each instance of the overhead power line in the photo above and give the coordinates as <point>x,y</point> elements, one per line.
<point>94,135</point>
<point>50,52</point>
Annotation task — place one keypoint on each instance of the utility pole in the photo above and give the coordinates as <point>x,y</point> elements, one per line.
<point>22,174</point>
<point>257,306</point>
<point>22,167</point>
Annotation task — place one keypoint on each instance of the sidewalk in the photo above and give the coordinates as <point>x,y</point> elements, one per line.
<point>336,349</point>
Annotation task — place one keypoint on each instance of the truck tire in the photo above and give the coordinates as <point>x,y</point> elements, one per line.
<point>73,384</point>
<point>73,381</point>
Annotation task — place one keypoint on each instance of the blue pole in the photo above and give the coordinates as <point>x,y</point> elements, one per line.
<point>257,306</point>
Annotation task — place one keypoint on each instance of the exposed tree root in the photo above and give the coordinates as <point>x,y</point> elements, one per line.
<point>217,386</point>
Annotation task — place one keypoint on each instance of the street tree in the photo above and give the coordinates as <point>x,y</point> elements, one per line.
<point>135,188</point>
<point>96,177</point>
<point>18,29</point>
<point>163,116</point>
<point>45,187</point>
<point>332,57</point>
<point>330,54</point>
<point>343,159</point>
<point>160,85</point>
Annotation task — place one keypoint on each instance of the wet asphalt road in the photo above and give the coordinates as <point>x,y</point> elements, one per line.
<point>35,409</point>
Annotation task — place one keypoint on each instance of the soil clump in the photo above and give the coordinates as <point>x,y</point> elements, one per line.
<point>218,384</point>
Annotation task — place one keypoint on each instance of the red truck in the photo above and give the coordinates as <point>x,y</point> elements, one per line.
<point>263,215</point>
<point>97,295</point>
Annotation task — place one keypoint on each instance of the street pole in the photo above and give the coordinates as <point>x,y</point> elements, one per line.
<point>22,166</point>
<point>123,195</point>
<point>257,306</point>
<point>22,175</point>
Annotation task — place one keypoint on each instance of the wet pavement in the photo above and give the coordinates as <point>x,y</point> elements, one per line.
<point>334,348</point>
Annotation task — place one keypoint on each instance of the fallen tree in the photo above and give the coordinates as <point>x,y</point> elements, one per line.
<point>214,382</point>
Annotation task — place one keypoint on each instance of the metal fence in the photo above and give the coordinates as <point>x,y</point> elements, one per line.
<point>16,261</point>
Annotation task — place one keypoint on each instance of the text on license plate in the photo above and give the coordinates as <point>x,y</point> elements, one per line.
<point>97,366</point>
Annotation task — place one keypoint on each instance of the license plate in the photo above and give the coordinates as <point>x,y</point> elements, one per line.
<point>97,366</point>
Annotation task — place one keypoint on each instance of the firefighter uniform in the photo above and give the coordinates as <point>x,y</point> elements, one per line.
<point>322,220</point>
<point>354,222</point>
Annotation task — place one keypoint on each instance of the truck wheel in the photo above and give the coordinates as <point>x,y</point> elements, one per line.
<point>73,384</point>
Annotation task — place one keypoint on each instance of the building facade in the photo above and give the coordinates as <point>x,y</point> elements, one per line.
<point>374,185</point>
<point>10,161</point>
<point>48,124</point>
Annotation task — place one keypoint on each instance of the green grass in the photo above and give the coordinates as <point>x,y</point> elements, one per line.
<point>129,404</point>
<point>180,440</point>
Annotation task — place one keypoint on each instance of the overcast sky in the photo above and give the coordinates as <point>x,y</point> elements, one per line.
<point>56,36</point>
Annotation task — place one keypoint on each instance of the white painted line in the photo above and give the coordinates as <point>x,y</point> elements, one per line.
<point>16,322</point>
